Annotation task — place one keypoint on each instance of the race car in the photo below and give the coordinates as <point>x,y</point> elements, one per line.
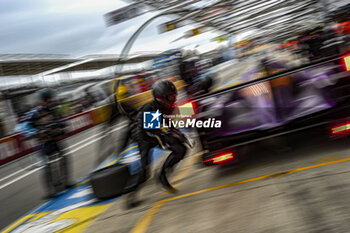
<point>315,95</point>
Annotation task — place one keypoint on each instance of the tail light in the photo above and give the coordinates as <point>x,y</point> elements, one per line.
<point>222,158</point>
<point>341,129</point>
<point>347,62</point>
<point>187,109</point>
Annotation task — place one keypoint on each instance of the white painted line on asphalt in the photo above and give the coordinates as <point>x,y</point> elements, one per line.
<point>96,139</point>
<point>70,152</point>
<point>87,139</point>
<point>84,145</point>
<point>19,178</point>
<point>19,171</point>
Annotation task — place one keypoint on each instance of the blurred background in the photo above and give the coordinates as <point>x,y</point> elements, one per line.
<point>93,53</point>
<point>205,37</point>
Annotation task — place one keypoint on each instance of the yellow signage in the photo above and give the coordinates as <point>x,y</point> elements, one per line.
<point>243,43</point>
<point>168,26</point>
<point>195,31</point>
<point>221,38</point>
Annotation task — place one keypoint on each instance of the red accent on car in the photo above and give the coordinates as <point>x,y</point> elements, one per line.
<point>222,158</point>
<point>341,128</point>
<point>347,62</point>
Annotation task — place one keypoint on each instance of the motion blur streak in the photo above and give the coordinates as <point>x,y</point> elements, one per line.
<point>347,62</point>
<point>341,129</point>
<point>223,158</point>
<point>187,109</point>
<point>144,222</point>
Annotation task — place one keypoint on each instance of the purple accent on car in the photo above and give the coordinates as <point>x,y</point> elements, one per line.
<point>305,94</point>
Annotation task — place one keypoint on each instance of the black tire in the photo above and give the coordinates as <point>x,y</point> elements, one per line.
<point>111,181</point>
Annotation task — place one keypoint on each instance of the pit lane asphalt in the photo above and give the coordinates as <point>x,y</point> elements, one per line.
<point>304,188</point>
<point>24,191</point>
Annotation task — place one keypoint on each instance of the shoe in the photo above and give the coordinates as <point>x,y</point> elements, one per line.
<point>69,185</point>
<point>165,183</point>
<point>172,190</point>
<point>132,201</point>
<point>49,196</point>
<point>133,204</point>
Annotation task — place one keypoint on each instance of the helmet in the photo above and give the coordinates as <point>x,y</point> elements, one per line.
<point>46,94</point>
<point>163,89</point>
<point>164,92</point>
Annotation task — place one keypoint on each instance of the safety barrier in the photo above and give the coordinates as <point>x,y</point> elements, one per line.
<point>16,146</point>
